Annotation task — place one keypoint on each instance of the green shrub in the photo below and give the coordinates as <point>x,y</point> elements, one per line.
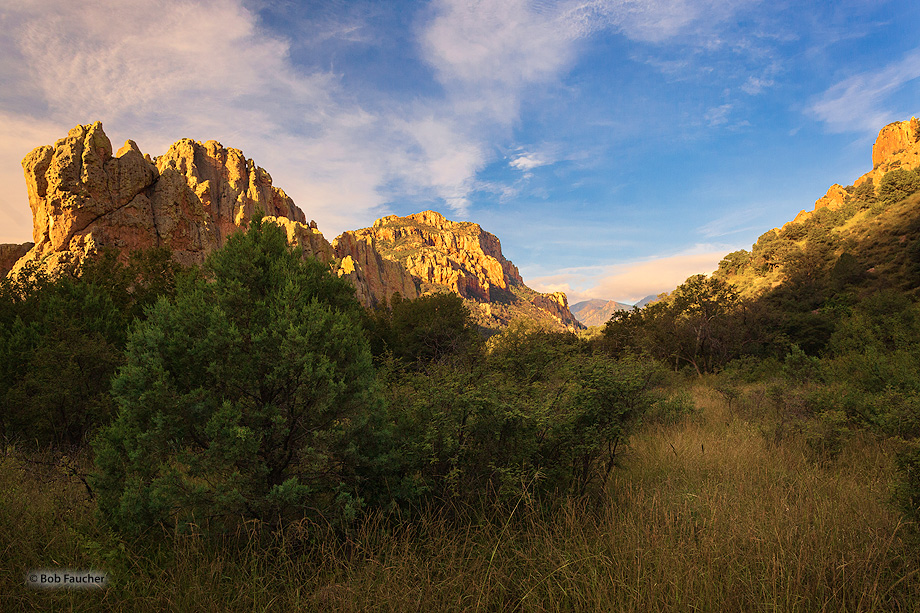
<point>243,397</point>
<point>896,185</point>
<point>535,416</point>
<point>62,339</point>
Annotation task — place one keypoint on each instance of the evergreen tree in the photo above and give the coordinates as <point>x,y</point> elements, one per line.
<point>242,397</point>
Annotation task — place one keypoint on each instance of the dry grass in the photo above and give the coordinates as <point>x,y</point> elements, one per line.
<point>707,514</point>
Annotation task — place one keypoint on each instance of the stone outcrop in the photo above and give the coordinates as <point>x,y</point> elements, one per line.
<point>463,258</point>
<point>10,254</point>
<point>893,139</point>
<point>190,199</point>
<point>834,198</point>
<point>460,256</point>
<point>895,147</point>
<point>375,277</point>
<point>85,198</point>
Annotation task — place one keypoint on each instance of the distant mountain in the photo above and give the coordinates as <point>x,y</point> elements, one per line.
<point>597,312</point>
<point>646,301</point>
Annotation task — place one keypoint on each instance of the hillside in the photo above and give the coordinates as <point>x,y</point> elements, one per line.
<point>857,239</point>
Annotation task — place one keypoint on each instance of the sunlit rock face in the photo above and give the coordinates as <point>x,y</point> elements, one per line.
<point>893,139</point>
<point>85,198</point>
<point>896,146</point>
<point>460,257</point>
<point>190,199</point>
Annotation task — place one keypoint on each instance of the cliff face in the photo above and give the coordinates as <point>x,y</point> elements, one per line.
<point>895,147</point>
<point>463,258</point>
<point>190,199</point>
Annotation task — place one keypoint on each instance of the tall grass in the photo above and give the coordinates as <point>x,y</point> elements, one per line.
<point>713,513</point>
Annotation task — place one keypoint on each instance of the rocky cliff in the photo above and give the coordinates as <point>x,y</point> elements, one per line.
<point>463,258</point>
<point>897,146</point>
<point>85,198</point>
<point>190,199</point>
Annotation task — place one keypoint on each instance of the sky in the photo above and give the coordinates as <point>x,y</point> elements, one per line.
<point>615,147</point>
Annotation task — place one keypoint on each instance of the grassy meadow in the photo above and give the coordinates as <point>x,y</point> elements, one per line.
<point>720,510</point>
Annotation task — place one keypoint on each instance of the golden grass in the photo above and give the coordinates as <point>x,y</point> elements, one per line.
<point>704,515</point>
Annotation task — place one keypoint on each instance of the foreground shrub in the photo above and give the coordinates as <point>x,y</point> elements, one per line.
<point>241,398</point>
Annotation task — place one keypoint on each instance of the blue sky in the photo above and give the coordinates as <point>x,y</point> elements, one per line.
<point>614,146</point>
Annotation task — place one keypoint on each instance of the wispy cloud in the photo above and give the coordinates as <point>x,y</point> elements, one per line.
<point>630,282</point>
<point>755,85</point>
<point>733,222</point>
<point>860,103</point>
<point>156,71</point>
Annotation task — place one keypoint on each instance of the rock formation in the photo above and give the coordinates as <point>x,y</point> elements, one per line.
<point>375,277</point>
<point>10,254</point>
<point>190,199</point>
<point>463,258</point>
<point>897,146</point>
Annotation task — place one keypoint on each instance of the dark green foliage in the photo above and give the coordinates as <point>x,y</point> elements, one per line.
<point>896,185</point>
<point>246,396</point>
<point>864,196</point>
<point>535,415</point>
<point>907,491</point>
<point>703,324</point>
<point>429,328</point>
<point>61,340</point>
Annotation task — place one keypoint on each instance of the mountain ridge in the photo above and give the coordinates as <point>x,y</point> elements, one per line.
<point>85,197</point>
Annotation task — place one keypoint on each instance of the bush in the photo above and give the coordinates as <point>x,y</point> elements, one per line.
<point>896,185</point>
<point>535,416</point>
<point>62,339</point>
<point>243,397</point>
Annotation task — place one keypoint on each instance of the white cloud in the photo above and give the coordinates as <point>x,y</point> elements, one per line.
<point>632,281</point>
<point>159,70</point>
<point>755,85</point>
<point>859,102</point>
<point>718,116</point>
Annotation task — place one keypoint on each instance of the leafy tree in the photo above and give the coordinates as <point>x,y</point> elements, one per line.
<point>243,397</point>
<point>734,262</point>
<point>896,185</point>
<point>705,324</point>
<point>423,330</point>
<point>62,338</point>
